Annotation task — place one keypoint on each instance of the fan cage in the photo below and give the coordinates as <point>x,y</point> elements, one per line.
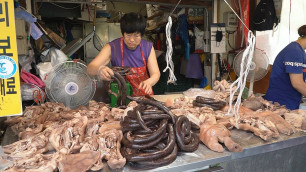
<point>261,61</point>
<point>73,73</point>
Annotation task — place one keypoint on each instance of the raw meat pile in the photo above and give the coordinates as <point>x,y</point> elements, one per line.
<point>53,137</point>
<point>257,115</point>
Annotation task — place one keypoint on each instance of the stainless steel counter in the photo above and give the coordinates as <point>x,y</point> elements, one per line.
<point>203,157</point>
<point>252,145</point>
<point>199,159</point>
<point>257,154</point>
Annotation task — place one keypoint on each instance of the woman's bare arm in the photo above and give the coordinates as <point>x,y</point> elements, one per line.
<point>98,65</point>
<point>153,68</point>
<point>153,71</point>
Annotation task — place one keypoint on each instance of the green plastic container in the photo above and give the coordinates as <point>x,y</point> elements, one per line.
<point>114,88</point>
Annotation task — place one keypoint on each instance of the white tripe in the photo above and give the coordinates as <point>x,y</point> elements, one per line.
<point>240,82</point>
<point>170,65</point>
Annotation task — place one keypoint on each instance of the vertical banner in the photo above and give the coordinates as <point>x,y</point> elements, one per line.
<point>245,9</point>
<point>10,97</point>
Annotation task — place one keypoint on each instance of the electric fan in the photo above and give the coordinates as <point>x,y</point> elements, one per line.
<point>258,68</point>
<point>70,84</point>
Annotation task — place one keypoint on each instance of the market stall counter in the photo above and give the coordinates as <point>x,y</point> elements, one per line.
<point>285,153</point>
<point>282,154</point>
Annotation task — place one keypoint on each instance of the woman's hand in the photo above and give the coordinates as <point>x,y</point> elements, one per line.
<point>105,73</point>
<point>146,86</point>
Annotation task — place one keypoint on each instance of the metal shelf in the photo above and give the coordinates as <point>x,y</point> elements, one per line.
<point>183,4</point>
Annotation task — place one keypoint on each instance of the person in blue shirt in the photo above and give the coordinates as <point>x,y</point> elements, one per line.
<point>287,80</point>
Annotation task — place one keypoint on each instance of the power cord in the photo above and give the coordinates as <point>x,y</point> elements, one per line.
<point>229,33</point>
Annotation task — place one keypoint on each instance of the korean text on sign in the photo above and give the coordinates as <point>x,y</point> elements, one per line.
<point>10,96</point>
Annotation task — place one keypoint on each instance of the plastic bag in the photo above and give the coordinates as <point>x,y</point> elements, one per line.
<point>44,68</point>
<point>57,56</point>
<point>27,91</point>
<point>54,55</point>
<point>52,58</point>
<point>25,62</point>
<point>192,93</point>
<point>199,41</point>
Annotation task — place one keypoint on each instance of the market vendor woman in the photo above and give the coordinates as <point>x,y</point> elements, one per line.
<point>132,51</point>
<point>287,79</point>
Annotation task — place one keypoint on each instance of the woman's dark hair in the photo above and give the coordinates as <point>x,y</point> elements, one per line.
<point>133,22</point>
<point>302,31</point>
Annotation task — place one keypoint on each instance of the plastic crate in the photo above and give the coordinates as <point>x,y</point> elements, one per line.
<point>114,88</point>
